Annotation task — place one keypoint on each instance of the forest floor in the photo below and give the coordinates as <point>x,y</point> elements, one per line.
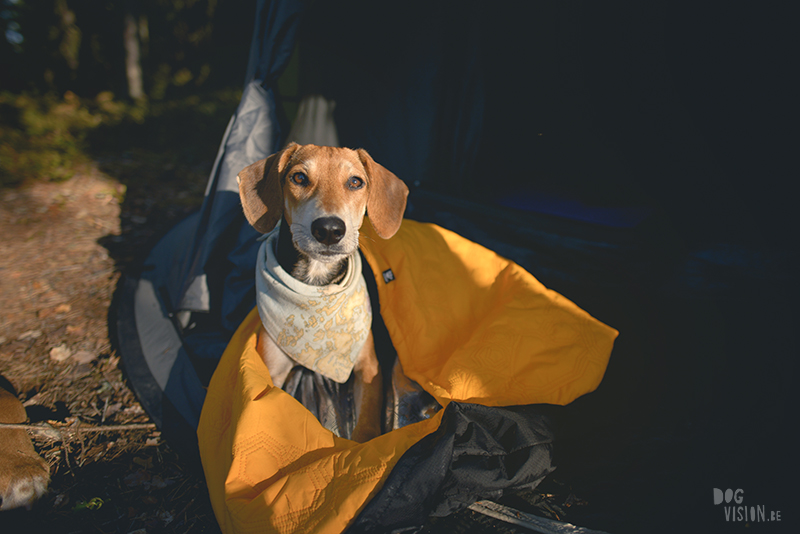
<point>65,246</point>
<point>86,189</point>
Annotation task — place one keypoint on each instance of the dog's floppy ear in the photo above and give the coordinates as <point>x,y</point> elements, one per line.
<point>387,197</point>
<point>260,189</point>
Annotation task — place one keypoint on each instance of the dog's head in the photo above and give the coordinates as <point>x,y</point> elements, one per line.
<point>323,193</point>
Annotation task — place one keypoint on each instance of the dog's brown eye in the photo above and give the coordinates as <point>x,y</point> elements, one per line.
<point>355,182</point>
<point>299,178</point>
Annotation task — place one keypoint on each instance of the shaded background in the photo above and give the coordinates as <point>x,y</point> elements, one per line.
<point>668,125</point>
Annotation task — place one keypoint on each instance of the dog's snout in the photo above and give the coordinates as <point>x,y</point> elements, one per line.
<point>328,230</point>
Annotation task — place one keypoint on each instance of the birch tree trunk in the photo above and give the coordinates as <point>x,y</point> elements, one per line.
<point>131,42</point>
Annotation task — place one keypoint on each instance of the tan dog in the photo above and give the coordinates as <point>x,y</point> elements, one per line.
<point>24,476</point>
<point>323,193</point>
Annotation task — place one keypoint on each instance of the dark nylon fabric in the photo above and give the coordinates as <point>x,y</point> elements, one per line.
<point>476,453</point>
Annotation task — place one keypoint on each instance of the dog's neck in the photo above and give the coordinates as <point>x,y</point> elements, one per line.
<point>300,266</point>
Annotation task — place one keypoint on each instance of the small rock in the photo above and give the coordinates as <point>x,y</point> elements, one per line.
<point>60,353</point>
<point>60,500</point>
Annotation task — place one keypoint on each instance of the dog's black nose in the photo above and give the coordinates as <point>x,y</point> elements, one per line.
<point>328,230</point>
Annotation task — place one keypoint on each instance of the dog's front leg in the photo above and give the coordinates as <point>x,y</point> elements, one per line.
<point>24,475</point>
<point>368,394</point>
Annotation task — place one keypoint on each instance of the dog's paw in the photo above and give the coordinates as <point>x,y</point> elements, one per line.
<point>24,475</point>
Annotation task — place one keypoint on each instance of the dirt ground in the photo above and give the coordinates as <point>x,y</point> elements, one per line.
<point>63,250</point>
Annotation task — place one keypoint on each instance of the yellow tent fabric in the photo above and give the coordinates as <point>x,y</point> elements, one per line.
<point>468,326</point>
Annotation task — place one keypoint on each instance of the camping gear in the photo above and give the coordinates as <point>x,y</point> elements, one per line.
<point>474,330</point>
<point>196,288</point>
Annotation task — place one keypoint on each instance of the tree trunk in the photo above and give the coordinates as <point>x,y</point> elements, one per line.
<point>133,60</point>
<point>70,44</point>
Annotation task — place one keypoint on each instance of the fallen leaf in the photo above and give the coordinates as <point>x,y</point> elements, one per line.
<point>135,409</point>
<point>112,409</point>
<point>63,308</point>
<point>30,334</point>
<point>50,432</point>
<point>60,353</point>
<point>83,356</point>
<point>74,329</point>
<point>147,463</point>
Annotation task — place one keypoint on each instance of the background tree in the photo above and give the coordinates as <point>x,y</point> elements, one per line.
<point>157,48</point>
<point>131,37</point>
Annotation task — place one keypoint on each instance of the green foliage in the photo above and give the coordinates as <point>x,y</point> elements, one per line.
<point>193,55</point>
<point>43,137</point>
<point>51,138</point>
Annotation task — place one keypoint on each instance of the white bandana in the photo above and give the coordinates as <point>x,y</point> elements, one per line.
<point>323,328</point>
